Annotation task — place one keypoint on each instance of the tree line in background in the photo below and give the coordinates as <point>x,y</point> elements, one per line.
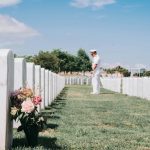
<point>126,73</point>
<point>61,61</point>
<point>143,74</point>
<point>118,69</point>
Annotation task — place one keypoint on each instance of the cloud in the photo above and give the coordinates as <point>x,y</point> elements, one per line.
<point>91,3</point>
<point>6,3</point>
<point>12,30</point>
<point>11,26</point>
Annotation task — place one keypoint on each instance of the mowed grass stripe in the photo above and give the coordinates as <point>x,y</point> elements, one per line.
<point>110,121</point>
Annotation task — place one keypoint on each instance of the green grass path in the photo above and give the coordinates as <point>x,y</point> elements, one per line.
<point>80,121</point>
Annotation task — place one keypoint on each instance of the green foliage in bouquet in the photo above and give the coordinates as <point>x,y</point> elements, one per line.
<point>24,109</point>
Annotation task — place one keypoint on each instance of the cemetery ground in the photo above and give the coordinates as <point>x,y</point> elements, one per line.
<point>78,120</point>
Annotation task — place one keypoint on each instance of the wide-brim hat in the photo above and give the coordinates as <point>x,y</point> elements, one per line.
<point>93,50</point>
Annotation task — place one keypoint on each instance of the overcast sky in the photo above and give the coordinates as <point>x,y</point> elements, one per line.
<point>118,29</point>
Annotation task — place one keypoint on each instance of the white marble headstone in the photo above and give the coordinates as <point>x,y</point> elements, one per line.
<point>50,88</point>
<point>6,87</point>
<point>46,87</point>
<point>19,73</point>
<point>31,76</point>
<point>38,82</point>
<point>43,88</point>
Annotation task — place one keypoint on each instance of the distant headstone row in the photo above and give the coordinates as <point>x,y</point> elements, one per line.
<point>113,84</point>
<point>132,86</point>
<point>16,73</point>
<point>139,87</point>
<point>78,80</point>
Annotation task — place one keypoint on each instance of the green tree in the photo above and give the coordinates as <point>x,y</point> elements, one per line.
<point>147,73</point>
<point>47,61</point>
<point>58,61</point>
<point>109,71</point>
<point>63,59</point>
<point>29,58</point>
<point>72,63</point>
<point>122,70</point>
<point>83,61</point>
<point>119,69</point>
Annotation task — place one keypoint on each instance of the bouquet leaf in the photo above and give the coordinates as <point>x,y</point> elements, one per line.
<point>24,109</point>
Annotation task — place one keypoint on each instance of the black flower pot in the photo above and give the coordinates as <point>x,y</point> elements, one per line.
<point>31,133</point>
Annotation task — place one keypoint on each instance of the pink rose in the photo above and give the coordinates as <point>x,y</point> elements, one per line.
<point>27,106</point>
<point>37,100</point>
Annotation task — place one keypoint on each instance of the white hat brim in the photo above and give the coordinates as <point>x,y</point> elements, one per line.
<point>93,50</point>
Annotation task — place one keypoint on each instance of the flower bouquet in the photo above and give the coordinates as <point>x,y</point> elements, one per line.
<point>24,109</point>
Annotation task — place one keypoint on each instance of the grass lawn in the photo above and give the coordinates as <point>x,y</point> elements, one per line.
<point>80,121</point>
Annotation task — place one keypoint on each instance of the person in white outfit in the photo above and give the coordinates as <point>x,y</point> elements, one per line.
<point>95,72</point>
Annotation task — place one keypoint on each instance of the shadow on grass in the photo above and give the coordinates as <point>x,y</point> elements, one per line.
<point>56,105</point>
<point>54,117</point>
<point>19,142</point>
<point>59,102</point>
<point>47,142</point>
<point>107,93</point>
<point>52,126</point>
<point>51,116</point>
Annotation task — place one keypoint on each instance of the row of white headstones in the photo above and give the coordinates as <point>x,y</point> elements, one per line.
<point>16,73</point>
<point>77,80</point>
<point>132,86</point>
